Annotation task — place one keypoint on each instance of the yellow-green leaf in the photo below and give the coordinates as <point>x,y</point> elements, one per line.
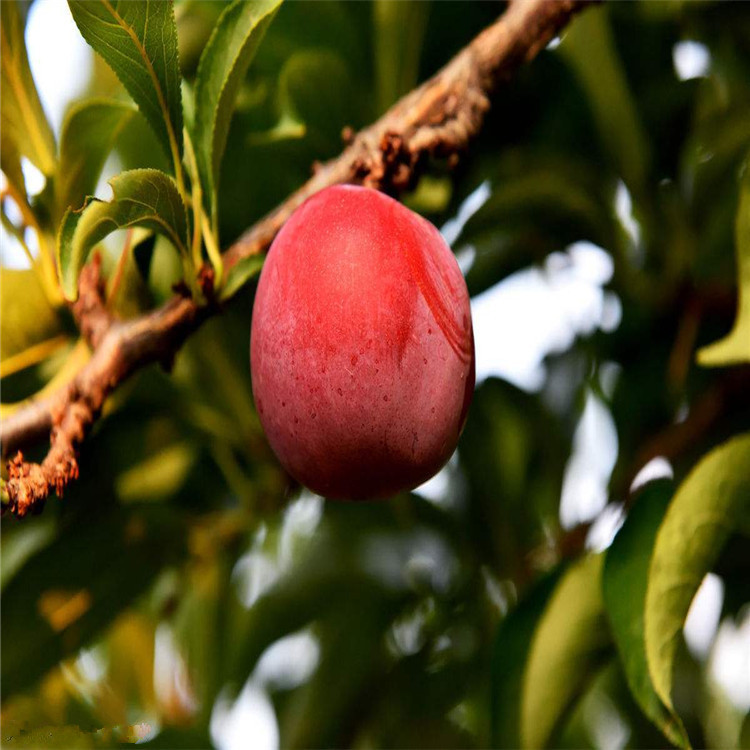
<point>624,581</point>
<point>572,640</point>
<point>710,504</point>
<point>28,318</point>
<point>24,128</point>
<point>240,274</point>
<point>734,348</point>
<point>511,648</point>
<point>88,134</point>
<point>142,197</point>
<point>222,67</point>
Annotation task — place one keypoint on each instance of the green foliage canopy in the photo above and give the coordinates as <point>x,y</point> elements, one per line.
<point>469,620</point>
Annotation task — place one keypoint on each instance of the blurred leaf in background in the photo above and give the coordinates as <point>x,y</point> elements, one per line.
<point>186,593</point>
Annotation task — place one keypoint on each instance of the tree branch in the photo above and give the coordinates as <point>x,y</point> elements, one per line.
<point>437,119</point>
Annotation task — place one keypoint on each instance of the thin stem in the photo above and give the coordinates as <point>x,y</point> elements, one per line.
<point>197,199</point>
<point>48,273</point>
<point>18,233</point>
<point>120,270</point>
<point>213,249</point>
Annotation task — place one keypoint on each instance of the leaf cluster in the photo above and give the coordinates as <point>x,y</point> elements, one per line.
<point>464,615</point>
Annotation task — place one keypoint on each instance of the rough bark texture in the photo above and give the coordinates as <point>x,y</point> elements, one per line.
<point>437,119</point>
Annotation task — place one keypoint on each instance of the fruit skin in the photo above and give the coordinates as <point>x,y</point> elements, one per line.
<point>362,350</point>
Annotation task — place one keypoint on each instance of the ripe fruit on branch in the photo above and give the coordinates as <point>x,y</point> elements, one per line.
<point>362,351</point>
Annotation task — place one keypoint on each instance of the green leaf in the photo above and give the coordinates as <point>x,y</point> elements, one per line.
<point>158,476</point>
<point>624,581</point>
<point>399,33</point>
<point>240,274</point>
<point>88,134</point>
<point>571,642</point>
<point>142,197</point>
<point>511,649</point>
<point>28,318</point>
<point>735,347</point>
<point>711,503</point>
<point>221,69</point>
<point>53,736</point>
<point>590,48</point>
<point>10,159</point>
<point>317,95</point>
<point>316,98</point>
<point>67,593</point>
<point>22,541</point>
<point>138,40</point>
<point>23,124</point>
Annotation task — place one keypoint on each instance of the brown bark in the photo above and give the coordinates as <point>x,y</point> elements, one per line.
<point>437,119</point>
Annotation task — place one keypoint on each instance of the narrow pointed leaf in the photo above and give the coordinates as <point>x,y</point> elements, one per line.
<point>735,347</point>
<point>399,30</point>
<point>240,274</point>
<point>590,48</point>
<point>88,134</point>
<point>571,642</point>
<point>138,40</point>
<point>710,504</point>
<point>222,67</point>
<point>10,160</point>
<point>512,643</point>
<point>624,581</point>
<point>142,197</point>
<point>24,126</point>
<point>28,318</point>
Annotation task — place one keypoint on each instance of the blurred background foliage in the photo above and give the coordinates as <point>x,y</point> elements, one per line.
<point>186,594</point>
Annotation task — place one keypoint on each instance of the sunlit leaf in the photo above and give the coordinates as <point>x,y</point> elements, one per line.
<point>88,134</point>
<point>24,126</point>
<point>571,642</point>
<point>34,355</point>
<point>28,318</point>
<point>735,347</point>
<point>624,582</point>
<point>710,504</point>
<point>138,40</point>
<point>221,69</point>
<point>158,476</point>
<point>10,163</point>
<point>142,197</point>
<point>511,650</point>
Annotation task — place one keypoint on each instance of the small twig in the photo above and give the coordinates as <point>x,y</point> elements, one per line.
<point>437,119</point>
<point>120,348</point>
